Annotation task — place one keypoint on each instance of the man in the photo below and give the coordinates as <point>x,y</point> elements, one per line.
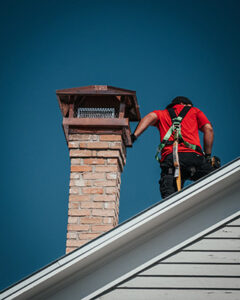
<point>194,164</point>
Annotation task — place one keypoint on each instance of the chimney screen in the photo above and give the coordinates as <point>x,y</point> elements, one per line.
<point>84,112</point>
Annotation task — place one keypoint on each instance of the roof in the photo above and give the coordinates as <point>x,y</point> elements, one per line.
<point>139,242</point>
<point>95,89</point>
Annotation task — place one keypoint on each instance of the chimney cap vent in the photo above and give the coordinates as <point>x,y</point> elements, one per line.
<point>95,112</point>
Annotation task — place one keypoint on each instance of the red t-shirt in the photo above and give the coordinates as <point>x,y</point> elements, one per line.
<point>192,122</point>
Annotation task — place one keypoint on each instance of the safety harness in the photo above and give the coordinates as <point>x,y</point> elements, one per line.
<point>175,129</point>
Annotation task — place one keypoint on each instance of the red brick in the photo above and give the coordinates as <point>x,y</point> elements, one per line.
<point>83,183</point>
<point>73,205</point>
<point>74,144</point>
<point>92,220</point>
<point>115,146</point>
<point>110,205</point>
<point>101,228</point>
<point>94,137</point>
<point>80,153</point>
<point>94,161</point>
<point>108,153</point>
<point>74,175</point>
<point>112,176</point>
<point>105,183</point>
<point>107,220</point>
<point>94,153</point>
<point>68,250</point>
<point>82,145</point>
<point>103,212</point>
<point>77,227</point>
<point>91,204</point>
<point>104,197</point>
<point>106,168</point>
<point>88,236</point>
<point>72,220</point>
<point>79,137</point>
<point>71,183</point>
<point>89,190</point>
<point>72,235</point>
<point>77,183</point>
<point>81,168</point>
<point>79,212</point>
<point>79,197</point>
<point>112,161</point>
<point>75,161</point>
<point>97,145</point>
<point>74,190</point>
<point>75,243</point>
<point>110,137</point>
<point>93,176</point>
<point>111,190</point>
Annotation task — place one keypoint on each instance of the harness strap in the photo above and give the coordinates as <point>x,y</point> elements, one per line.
<point>191,146</point>
<point>177,172</point>
<point>176,121</point>
<point>182,113</point>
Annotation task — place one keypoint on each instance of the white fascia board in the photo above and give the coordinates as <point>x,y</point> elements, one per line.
<point>133,229</point>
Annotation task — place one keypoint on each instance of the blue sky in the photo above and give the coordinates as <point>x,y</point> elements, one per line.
<point>160,49</point>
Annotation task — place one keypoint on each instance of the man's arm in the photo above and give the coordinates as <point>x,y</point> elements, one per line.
<point>148,120</point>
<point>208,136</point>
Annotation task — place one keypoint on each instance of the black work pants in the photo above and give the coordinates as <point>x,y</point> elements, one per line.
<point>193,166</point>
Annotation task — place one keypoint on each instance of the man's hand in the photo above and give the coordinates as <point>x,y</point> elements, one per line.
<point>148,120</point>
<point>214,161</point>
<point>133,138</point>
<point>208,158</point>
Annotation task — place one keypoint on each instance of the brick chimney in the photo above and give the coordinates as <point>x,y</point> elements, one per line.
<point>96,126</point>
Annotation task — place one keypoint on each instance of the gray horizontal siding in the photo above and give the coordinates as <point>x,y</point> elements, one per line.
<point>234,223</point>
<point>216,245</point>
<point>206,269</point>
<point>193,270</point>
<point>205,257</point>
<point>189,282</point>
<point>134,294</point>
<point>226,233</point>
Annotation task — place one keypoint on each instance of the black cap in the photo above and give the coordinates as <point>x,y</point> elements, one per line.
<point>179,100</point>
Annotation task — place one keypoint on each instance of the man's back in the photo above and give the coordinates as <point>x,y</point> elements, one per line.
<point>192,122</point>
